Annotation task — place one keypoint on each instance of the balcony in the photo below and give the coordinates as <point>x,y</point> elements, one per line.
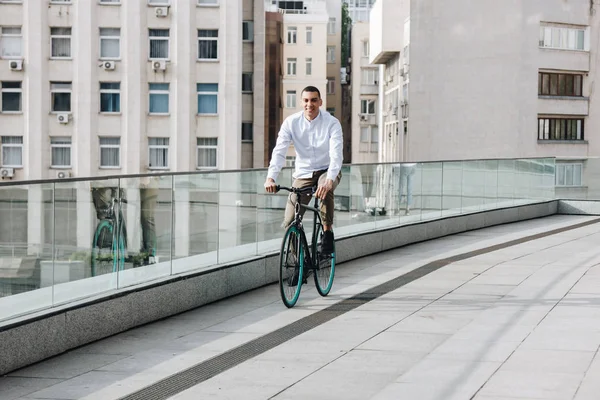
<point>386,30</point>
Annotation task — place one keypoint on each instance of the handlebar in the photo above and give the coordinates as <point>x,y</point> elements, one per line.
<point>310,189</point>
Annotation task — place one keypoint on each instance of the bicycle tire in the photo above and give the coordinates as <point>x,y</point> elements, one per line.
<point>103,262</point>
<point>324,269</point>
<point>292,265</point>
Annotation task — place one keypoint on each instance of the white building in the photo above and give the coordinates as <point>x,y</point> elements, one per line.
<point>364,84</point>
<point>359,9</point>
<point>488,79</point>
<point>119,87</point>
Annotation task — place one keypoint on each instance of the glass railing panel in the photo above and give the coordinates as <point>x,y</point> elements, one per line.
<point>431,190</point>
<point>145,229</point>
<point>26,241</point>
<point>90,210</point>
<point>506,182</point>
<point>270,211</point>
<point>237,216</point>
<point>453,185</point>
<point>195,238</point>
<point>490,184</point>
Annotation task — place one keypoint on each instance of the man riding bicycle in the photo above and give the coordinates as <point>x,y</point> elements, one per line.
<point>318,141</point>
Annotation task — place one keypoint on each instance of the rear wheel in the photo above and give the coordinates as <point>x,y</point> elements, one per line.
<point>325,265</point>
<point>291,266</point>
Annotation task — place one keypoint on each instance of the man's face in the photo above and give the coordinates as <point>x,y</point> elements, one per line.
<point>311,103</point>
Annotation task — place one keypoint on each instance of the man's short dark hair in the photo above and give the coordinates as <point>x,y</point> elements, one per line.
<point>311,89</point>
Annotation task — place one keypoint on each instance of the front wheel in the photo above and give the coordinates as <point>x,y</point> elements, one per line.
<point>325,265</point>
<point>291,266</point>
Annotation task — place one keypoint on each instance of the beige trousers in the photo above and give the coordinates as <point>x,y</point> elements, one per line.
<point>327,205</point>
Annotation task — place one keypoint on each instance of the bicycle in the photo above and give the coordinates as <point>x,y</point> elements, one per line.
<point>296,257</point>
<point>109,244</point>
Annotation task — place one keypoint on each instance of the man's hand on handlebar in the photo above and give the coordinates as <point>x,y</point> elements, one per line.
<point>323,189</point>
<point>270,186</point>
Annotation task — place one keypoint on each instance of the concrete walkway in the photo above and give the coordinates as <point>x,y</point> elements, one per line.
<point>522,322</point>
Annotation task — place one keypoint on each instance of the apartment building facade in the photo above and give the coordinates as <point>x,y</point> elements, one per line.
<point>117,87</point>
<point>364,85</point>
<point>359,9</point>
<point>489,79</point>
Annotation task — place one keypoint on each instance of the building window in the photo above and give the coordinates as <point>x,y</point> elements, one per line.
<point>569,174</point>
<point>331,26</point>
<point>110,1</point>
<point>208,97</point>
<point>309,66</point>
<point>159,2</point>
<point>12,94</point>
<point>110,97</point>
<point>247,132</point>
<point>292,31</point>
<point>365,48</point>
<point>364,134</point>
<point>290,161</point>
<point>60,1</point>
<point>555,37</point>
<point>159,44</point>
<point>374,139</point>
<point>370,136</point>
<point>110,43</point>
<point>207,153</point>
<point>331,54</point>
<point>11,42</point>
<point>208,44</point>
<point>291,66</point>
<point>290,99</point>
<point>12,151</point>
<point>61,42</point>
<point>247,84</point>
<point>110,152</point>
<point>159,98</point>
<point>208,2</point>
<point>560,129</point>
<point>367,107</point>
<point>158,153</point>
<point>331,111</point>
<point>248,31</point>
<point>330,85</point>
<point>61,152</point>
<point>309,35</point>
<point>559,84</point>
<point>369,76</point>
<point>61,96</point>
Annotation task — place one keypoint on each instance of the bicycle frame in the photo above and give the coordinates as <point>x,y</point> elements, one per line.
<point>298,223</point>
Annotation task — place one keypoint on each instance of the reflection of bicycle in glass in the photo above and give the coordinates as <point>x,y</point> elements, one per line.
<point>296,257</point>
<point>110,240</point>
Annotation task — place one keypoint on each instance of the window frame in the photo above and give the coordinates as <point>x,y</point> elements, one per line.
<point>308,66</point>
<point>111,92</point>
<point>59,145</point>
<point>64,36</point>
<point>159,92</point>
<point>292,34</point>
<point>11,90</point>
<point>251,80</point>
<point>550,75</point>
<point>331,28</point>
<point>208,39</point>
<point>291,94</point>
<point>546,125</point>
<point>330,85</point>
<point>546,40</point>
<point>215,3</point>
<point>54,91</point>
<point>106,37</point>
<point>574,166</point>
<point>251,125</point>
<point>330,54</point>
<point>291,64</point>
<point>108,146</point>
<point>364,107</point>
<point>12,35</point>
<point>214,147</point>
<point>158,147</point>
<point>11,145</point>
<point>308,38</point>
<point>159,38</point>
<point>206,93</point>
<point>250,30</point>
<point>110,2</point>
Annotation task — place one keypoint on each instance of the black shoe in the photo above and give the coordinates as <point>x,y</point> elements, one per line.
<point>327,243</point>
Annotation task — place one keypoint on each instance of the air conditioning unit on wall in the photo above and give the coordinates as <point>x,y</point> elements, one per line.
<point>161,12</point>
<point>108,65</point>
<point>63,118</point>
<point>159,65</point>
<point>15,65</point>
<point>7,173</point>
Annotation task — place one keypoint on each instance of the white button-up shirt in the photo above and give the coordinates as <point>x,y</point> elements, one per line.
<point>318,144</point>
